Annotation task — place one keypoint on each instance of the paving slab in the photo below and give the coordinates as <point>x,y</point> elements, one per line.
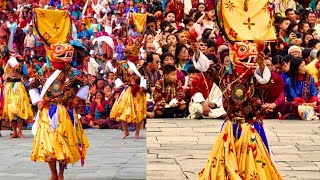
<point>179,148</point>
<point>109,157</point>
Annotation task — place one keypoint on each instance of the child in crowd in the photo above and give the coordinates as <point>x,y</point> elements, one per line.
<point>168,94</point>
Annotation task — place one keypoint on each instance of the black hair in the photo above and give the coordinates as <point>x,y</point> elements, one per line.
<point>169,13</point>
<point>197,15</point>
<point>286,12</point>
<point>164,24</point>
<point>206,33</point>
<point>294,69</point>
<point>164,55</point>
<point>301,24</point>
<point>178,49</point>
<point>311,30</point>
<point>150,55</point>
<point>286,59</point>
<point>212,43</point>
<point>165,48</point>
<point>205,7</point>
<point>276,60</point>
<point>318,54</point>
<point>168,69</point>
<point>306,53</point>
<point>151,19</point>
<point>187,20</point>
<point>100,92</point>
<point>174,36</point>
<point>313,42</point>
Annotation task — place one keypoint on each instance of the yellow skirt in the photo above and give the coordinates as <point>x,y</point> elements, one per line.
<point>253,157</point>
<point>222,163</point>
<point>16,102</point>
<point>64,143</point>
<point>248,158</point>
<point>128,108</point>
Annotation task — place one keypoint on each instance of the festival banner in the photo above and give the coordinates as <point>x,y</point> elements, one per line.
<point>140,21</point>
<point>247,19</point>
<point>54,26</point>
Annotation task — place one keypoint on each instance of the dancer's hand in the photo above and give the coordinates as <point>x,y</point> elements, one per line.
<point>40,105</point>
<point>260,58</point>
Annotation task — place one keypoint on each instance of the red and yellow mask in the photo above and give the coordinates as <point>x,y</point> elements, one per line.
<point>243,55</point>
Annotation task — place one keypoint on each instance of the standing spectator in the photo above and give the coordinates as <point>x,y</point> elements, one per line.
<point>30,40</point>
<point>176,6</point>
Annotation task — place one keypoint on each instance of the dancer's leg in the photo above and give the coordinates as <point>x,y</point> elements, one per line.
<point>14,129</point>
<point>138,127</point>
<point>53,169</point>
<point>20,125</point>
<point>62,167</point>
<point>125,129</point>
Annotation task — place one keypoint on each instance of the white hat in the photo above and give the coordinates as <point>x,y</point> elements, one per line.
<point>91,52</point>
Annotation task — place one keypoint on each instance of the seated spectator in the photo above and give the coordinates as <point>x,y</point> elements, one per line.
<point>277,66</point>
<point>301,86</point>
<point>295,51</point>
<point>166,59</point>
<point>169,95</point>
<point>206,101</point>
<point>99,112</point>
<point>273,96</point>
<point>109,97</point>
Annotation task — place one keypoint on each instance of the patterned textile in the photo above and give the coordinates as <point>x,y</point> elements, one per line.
<point>247,158</point>
<point>67,142</point>
<point>254,19</point>
<point>53,25</point>
<point>165,92</point>
<point>16,102</point>
<point>129,108</point>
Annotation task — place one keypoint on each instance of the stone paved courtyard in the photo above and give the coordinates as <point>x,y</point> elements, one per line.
<point>179,148</point>
<point>109,157</point>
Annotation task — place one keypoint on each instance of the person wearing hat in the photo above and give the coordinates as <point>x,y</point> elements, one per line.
<point>206,100</point>
<point>17,106</point>
<point>130,107</point>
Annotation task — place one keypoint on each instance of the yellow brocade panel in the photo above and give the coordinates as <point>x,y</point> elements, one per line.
<point>248,19</point>
<point>247,158</point>
<point>128,108</point>
<point>16,102</point>
<point>61,143</point>
<point>254,161</point>
<point>140,21</point>
<point>53,25</point>
<point>222,163</point>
